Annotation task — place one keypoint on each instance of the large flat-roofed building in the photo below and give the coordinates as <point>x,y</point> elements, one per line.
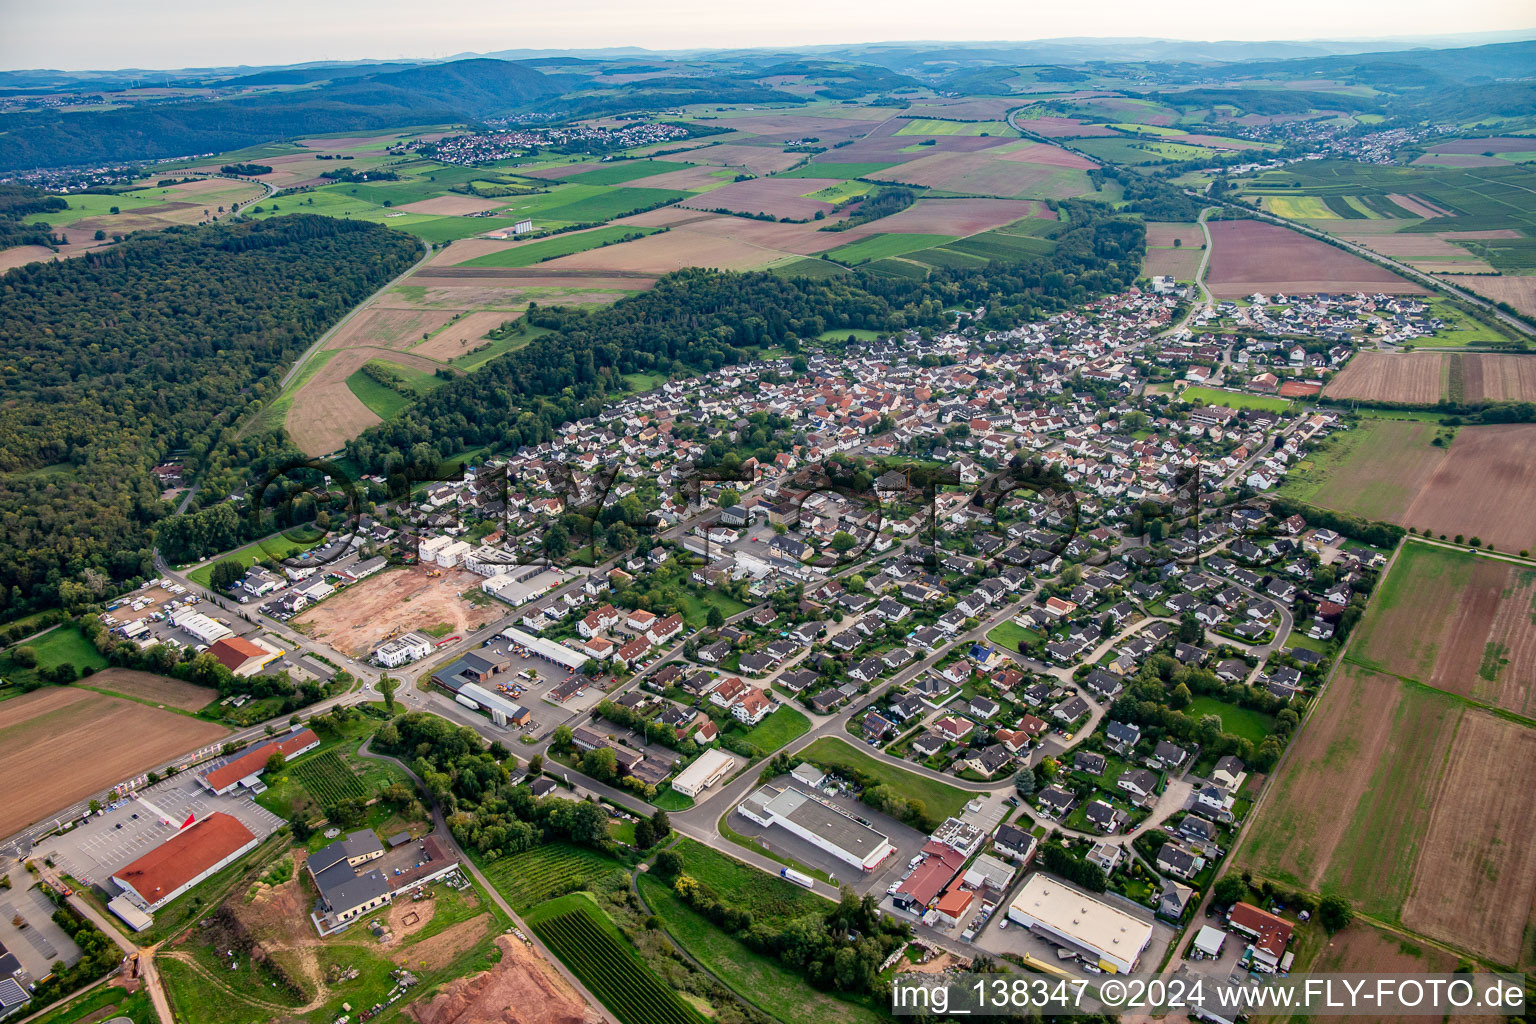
<point>246,768</point>
<point>503,712</point>
<point>819,824</point>
<point>1086,924</point>
<point>185,859</point>
<point>538,647</point>
<point>199,626</point>
<point>710,768</point>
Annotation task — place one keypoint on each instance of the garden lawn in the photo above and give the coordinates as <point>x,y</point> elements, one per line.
<point>1007,635</point>
<point>1234,399</point>
<point>276,546</point>
<point>1249,724</point>
<point>941,800</point>
<point>783,726</point>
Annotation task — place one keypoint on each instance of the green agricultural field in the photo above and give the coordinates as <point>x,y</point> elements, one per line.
<point>941,799</point>
<point>1004,245</point>
<point>587,942</point>
<point>529,878</point>
<point>883,246</point>
<point>1245,722</point>
<point>530,253</point>
<point>1144,129</point>
<point>781,727</point>
<point>1234,399</point>
<point>841,191</point>
<point>617,172</point>
<point>1141,151</point>
<point>611,203</point>
<point>934,126</point>
<point>832,169</point>
<point>1374,469</point>
<point>384,402</point>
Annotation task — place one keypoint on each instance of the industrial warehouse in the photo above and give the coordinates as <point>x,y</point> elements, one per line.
<point>178,864</point>
<point>818,823</point>
<point>1084,924</point>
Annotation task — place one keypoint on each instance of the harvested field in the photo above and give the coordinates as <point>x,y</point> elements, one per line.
<point>21,255</point>
<point>1046,156</point>
<point>777,197</point>
<point>1355,794</point>
<point>1493,144</point>
<point>1404,378</point>
<point>523,988</point>
<point>324,413</point>
<point>988,173</point>
<point>1064,128</point>
<point>753,159</point>
<point>1416,206</point>
<point>1458,622</point>
<point>1491,377</point>
<point>1251,255</point>
<point>1364,949</point>
<point>1181,264</point>
<point>395,601</point>
<point>1476,874</point>
<point>1188,234</point>
<point>89,740</point>
<point>1517,290</point>
<point>964,108</point>
<point>1431,253</point>
<point>958,217</point>
<point>156,689</point>
<point>1485,488</point>
<point>462,334</point>
<point>453,206</point>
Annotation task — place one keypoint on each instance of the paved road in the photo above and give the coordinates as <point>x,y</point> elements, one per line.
<point>447,838</point>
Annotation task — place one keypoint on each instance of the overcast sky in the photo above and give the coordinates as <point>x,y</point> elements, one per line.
<point>104,34</point>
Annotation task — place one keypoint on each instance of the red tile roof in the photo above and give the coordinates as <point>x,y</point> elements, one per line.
<point>1272,933</point>
<point>255,759</point>
<point>184,856</point>
<point>234,651</point>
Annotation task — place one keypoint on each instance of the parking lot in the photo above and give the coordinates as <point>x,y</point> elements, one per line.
<point>907,841</point>
<point>41,942</point>
<point>995,938</point>
<point>133,827</point>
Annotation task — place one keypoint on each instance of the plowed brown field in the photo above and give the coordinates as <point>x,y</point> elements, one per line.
<point>68,743</point>
<point>1485,487</point>
<point>1476,875</point>
<point>1251,255</point>
<point>1404,378</point>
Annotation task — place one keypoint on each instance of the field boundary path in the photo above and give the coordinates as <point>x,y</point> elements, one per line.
<point>441,825</point>
<point>319,343</point>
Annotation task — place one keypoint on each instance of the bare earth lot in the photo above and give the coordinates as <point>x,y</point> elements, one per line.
<point>1250,255</point>
<point>87,741</point>
<point>777,197</point>
<point>396,601</point>
<point>1407,378</point>
<point>147,686</point>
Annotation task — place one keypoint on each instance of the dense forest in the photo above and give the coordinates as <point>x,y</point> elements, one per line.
<point>18,205</point>
<point>439,93</point>
<point>701,320</point>
<point>111,361</point>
